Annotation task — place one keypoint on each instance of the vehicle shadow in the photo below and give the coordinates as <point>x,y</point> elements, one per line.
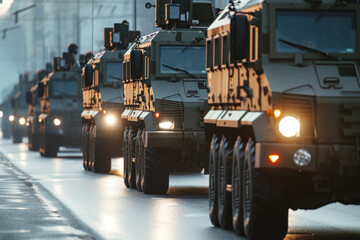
<point>323,236</point>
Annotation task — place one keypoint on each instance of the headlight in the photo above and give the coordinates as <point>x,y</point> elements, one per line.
<point>11,118</point>
<point>166,125</point>
<point>289,127</point>
<point>57,122</point>
<point>110,119</point>
<point>22,121</point>
<point>1,114</point>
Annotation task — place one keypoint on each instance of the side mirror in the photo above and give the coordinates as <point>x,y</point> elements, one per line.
<point>29,97</point>
<point>239,37</point>
<point>136,59</point>
<point>87,75</point>
<point>40,89</point>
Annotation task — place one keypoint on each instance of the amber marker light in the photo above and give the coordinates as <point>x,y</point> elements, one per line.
<point>157,115</point>
<point>103,111</point>
<point>274,158</point>
<point>277,113</point>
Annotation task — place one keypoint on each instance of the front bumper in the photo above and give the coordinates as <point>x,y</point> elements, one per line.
<point>334,158</point>
<point>175,140</point>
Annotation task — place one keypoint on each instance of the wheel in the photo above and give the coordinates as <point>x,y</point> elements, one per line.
<point>30,136</point>
<point>131,156</point>
<point>264,205</point>
<point>139,153</point>
<point>47,147</point>
<point>85,145</point>
<point>224,179</point>
<point>126,156</point>
<point>155,170</point>
<point>17,138</point>
<point>101,160</point>
<point>33,138</point>
<point>91,142</point>
<point>213,176</point>
<point>237,204</point>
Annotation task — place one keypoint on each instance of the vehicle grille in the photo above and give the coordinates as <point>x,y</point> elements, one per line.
<point>171,109</point>
<point>299,105</point>
<point>351,119</point>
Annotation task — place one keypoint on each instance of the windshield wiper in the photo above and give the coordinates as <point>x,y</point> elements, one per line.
<point>195,39</point>
<point>116,78</point>
<point>63,93</point>
<point>303,47</point>
<point>180,70</point>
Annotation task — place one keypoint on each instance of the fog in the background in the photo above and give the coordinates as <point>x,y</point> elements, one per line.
<point>44,31</point>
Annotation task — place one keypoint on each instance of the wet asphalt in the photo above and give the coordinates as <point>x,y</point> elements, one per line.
<point>28,211</point>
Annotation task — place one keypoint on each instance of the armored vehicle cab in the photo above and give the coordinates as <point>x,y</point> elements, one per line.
<point>285,105</point>
<point>103,101</point>
<point>8,115</point>
<point>61,105</point>
<point>33,102</point>
<point>165,97</point>
<point>20,110</point>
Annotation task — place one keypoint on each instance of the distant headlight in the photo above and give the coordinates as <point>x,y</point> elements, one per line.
<point>110,119</point>
<point>22,121</point>
<point>11,118</point>
<point>166,125</point>
<point>57,122</point>
<point>1,114</point>
<point>289,127</point>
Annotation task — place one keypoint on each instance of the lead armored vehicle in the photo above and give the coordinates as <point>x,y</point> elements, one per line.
<point>165,97</point>
<point>61,105</point>
<point>103,100</point>
<point>285,106</point>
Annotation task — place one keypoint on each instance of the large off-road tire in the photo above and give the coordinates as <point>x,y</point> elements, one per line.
<point>237,190</point>
<point>6,130</point>
<point>213,181</point>
<point>33,138</point>
<point>155,179</point>
<point>47,145</point>
<point>131,156</point>
<point>16,138</point>
<point>101,160</point>
<point>140,154</point>
<point>85,145</point>
<point>126,156</point>
<point>91,148</point>
<point>264,203</point>
<point>224,179</point>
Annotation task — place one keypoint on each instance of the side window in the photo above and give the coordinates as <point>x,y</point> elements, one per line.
<point>225,49</point>
<point>128,70</point>
<point>124,72</point>
<point>254,43</point>
<point>209,53</point>
<point>146,67</point>
<point>217,51</point>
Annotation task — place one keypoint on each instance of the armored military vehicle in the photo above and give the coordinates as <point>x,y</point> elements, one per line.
<point>103,102</point>
<point>33,102</point>
<point>165,97</point>
<point>8,115</point>
<point>20,110</point>
<point>61,105</point>
<point>285,105</point>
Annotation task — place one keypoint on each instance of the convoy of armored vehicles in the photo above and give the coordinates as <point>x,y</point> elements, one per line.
<point>265,97</point>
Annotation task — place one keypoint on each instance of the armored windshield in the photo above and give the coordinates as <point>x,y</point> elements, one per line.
<point>188,58</point>
<point>65,88</point>
<point>113,72</point>
<point>330,32</point>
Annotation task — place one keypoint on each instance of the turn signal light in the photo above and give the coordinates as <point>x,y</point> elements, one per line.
<point>274,158</point>
<point>277,113</point>
<point>103,111</point>
<point>157,115</point>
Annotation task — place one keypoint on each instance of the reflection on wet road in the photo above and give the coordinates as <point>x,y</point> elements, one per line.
<point>104,204</point>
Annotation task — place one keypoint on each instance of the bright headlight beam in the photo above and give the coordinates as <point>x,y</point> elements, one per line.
<point>57,122</point>
<point>22,121</point>
<point>166,125</point>
<point>289,126</point>
<point>110,119</point>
